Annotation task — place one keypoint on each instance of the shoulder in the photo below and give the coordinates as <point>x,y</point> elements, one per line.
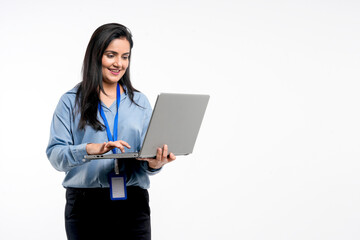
<point>141,100</point>
<point>68,99</point>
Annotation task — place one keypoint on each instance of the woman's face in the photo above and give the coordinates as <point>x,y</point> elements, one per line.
<point>115,60</point>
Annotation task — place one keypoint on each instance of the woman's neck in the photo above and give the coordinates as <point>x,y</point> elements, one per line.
<point>110,89</point>
<point>110,93</point>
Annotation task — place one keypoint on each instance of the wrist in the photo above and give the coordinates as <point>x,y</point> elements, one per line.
<point>154,167</point>
<point>151,169</point>
<point>90,148</point>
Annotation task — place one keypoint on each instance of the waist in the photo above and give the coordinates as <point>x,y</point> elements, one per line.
<point>106,190</point>
<point>95,175</point>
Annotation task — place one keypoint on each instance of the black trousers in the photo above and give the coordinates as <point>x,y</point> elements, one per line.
<point>91,214</point>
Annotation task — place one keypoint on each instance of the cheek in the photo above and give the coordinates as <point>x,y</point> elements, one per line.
<point>125,66</point>
<point>105,62</point>
<point>103,70</point>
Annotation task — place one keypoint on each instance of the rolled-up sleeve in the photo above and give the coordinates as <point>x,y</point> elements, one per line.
<point>61,151</point>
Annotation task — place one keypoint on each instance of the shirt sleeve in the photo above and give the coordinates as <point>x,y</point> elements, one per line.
<point>61,151</point>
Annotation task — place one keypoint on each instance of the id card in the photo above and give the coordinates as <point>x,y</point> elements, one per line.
<point>117,187</point>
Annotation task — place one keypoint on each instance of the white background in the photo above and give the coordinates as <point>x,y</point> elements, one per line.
<point>277,156</point>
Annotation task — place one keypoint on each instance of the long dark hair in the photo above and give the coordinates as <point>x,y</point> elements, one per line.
<point>87,96</point>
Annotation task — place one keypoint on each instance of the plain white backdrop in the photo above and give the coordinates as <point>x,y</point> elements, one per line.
<point>278,153</point>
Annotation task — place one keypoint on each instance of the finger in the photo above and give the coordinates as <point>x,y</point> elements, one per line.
<point>159,154</point>
<point>117,144</point>
<point>120,146</point>
<point>125,144</point>
<point>171,157</point>
<point>165,151</point>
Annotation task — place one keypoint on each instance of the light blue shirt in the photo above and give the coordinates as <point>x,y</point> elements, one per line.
<point>67,143</point>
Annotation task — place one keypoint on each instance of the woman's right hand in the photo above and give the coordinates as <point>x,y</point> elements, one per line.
<point>101,148</point>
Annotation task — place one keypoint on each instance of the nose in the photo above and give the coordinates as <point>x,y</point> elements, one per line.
<point>118,62</point>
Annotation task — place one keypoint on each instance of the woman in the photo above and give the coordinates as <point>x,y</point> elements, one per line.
<point>88,120</point>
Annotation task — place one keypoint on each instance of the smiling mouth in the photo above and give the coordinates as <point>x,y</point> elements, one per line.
<point>114,71</point>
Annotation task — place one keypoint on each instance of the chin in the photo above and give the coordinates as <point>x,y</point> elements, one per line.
<point>112,80</point>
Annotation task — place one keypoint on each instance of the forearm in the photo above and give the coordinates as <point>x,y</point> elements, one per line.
<point>65,157</point>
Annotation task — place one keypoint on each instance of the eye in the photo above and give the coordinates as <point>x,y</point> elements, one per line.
<point>125,57</point>
<point>110,55</point>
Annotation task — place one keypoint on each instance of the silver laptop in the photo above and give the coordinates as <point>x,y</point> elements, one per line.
<point>175,121</point>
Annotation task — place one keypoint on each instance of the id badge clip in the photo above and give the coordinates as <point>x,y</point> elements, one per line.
<point>117,186</point>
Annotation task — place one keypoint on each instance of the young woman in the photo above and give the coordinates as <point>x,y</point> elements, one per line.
<point>103,113</point>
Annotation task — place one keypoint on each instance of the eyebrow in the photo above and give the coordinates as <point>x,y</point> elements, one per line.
<point>116,53</point>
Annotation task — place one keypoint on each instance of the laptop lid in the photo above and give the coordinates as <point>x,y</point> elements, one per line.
<point>175,121</point>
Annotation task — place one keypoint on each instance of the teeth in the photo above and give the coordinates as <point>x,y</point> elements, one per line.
<point>114,70</point>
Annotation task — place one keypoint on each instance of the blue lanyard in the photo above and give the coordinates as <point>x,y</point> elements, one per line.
<point>110,136</point>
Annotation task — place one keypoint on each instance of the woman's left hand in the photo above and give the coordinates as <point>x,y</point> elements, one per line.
<point>161,159</point>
